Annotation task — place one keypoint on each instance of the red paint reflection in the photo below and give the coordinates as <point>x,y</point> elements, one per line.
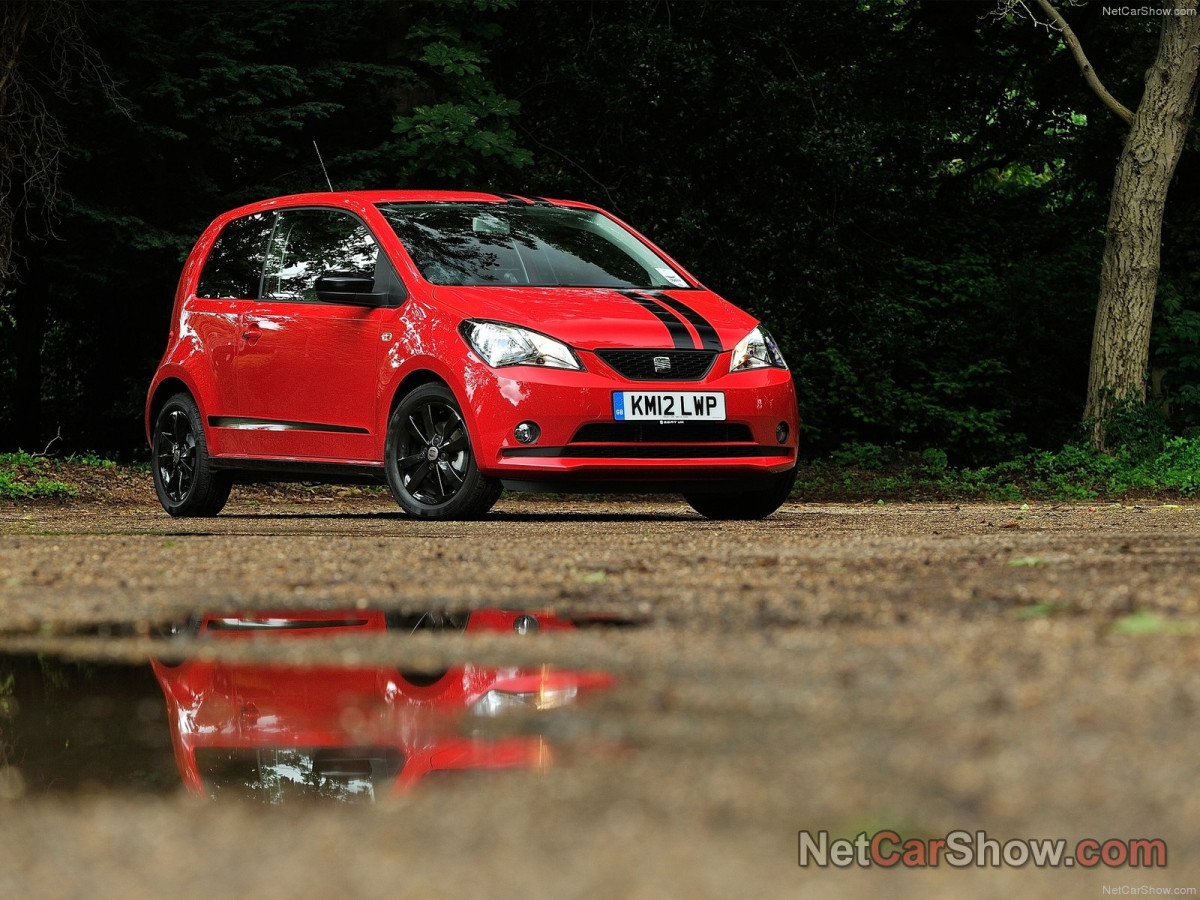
<point>274,732</point>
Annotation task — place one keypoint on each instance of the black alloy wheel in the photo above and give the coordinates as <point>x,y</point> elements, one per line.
<point>434,454</point>
<point>430,466</point>
<point>184,478</point>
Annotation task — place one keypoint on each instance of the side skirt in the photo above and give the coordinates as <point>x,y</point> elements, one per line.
<point>249,471</point>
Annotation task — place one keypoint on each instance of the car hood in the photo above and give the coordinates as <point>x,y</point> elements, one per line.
<point>591,318</point>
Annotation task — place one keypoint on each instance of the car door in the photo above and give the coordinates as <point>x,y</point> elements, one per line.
<point>227,290</point>
<point>307,368</point>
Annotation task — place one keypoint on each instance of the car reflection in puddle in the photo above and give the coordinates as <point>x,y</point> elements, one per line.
<point>272,732</point>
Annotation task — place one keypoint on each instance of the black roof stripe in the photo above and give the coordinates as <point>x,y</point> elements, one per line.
<point>709,339</point>
<point>511,198</point>
<point>680,336</point>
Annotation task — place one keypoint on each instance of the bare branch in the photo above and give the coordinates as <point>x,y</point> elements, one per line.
<point>54,440</point>
<point>611,202</point>
<point>1089,74</point>
<point>44,54</point>
<point>15,53</point>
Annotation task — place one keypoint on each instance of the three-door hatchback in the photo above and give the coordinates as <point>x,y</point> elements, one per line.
<point>456,343</point>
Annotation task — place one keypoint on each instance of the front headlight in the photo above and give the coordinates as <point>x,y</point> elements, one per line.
<point>757,350</point>
<point>507,345</point>
<point>495,703</point>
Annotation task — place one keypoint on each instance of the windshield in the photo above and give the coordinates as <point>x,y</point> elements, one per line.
<point>503,243</point>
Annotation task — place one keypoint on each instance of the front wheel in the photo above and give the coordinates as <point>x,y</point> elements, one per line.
<point>184,478</point>
<point>430,465</point>
<point>757,503</point>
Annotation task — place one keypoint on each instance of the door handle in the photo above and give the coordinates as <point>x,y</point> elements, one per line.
<point>251,332</point>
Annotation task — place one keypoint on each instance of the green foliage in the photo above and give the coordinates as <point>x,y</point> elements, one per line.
<point>1176,352</point>
<point>1137,427</point>
<point>92,459</point>
<point>21,478</point>
<point>448,138</point>
<point>1144,622</point>
<point>1073,473</point>
<point>860,456</point>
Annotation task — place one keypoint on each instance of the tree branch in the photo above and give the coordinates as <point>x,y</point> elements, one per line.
<point>16,54</point>
<point>1089,74</point>
<point>612,204</point>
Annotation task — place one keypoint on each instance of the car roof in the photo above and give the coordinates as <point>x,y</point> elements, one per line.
<point>360,199</point>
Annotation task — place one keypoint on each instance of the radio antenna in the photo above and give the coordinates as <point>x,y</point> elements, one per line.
<point>322,162</point>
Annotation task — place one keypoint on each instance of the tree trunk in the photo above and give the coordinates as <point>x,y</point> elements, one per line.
<point>1129,273</point>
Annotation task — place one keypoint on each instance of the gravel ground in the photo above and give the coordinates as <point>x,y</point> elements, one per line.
<point>1028,671</point>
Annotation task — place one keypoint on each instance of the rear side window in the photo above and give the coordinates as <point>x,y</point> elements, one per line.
<point>309,243</point>
<point>233,269</point>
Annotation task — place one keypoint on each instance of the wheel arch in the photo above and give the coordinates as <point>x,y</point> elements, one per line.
<point>428,371</point>
<point>163,391</point>
<point>411,382</point>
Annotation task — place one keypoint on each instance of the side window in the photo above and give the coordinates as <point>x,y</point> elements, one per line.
<point>309,243</point>
<point>234,265</point>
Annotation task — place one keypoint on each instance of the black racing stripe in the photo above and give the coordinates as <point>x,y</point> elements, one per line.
<point>512,198</point>
<point>680,336</point>
<point>541,201</point>
<point>709,339</point>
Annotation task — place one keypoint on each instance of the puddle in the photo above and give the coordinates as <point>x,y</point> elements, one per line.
<point>351,621</point>
<point>272,733</point>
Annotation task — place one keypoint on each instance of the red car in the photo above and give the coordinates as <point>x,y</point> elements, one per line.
<point>276,732</point>
<point>454,344</point>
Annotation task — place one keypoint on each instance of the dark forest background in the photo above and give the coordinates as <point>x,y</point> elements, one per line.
<point>911,195</point>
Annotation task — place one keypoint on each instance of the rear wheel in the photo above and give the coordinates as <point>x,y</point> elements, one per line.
<point>184,478</point>
<point>430,465</point>
<point>757,503</point>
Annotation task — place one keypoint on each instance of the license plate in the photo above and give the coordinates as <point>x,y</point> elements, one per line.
<point>658,405</point>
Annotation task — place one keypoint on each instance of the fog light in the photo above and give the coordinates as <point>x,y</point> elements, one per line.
<point>781,433</point>
<point>525,625</point>
<point>527,432</point>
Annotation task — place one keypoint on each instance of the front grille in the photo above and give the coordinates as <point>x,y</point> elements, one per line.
<point>657,433</point>
<point>638,365</point>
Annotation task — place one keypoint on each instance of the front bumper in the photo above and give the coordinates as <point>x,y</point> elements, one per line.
<point>581,443</point>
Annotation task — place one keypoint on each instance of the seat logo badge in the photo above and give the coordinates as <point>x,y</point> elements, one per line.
<point>662,364</point>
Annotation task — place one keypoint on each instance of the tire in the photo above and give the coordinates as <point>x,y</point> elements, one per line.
<point>184,478</point>
<point>743,505</point>
<point>429,461</point>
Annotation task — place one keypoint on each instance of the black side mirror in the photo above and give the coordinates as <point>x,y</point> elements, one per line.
<point>350,289</point>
